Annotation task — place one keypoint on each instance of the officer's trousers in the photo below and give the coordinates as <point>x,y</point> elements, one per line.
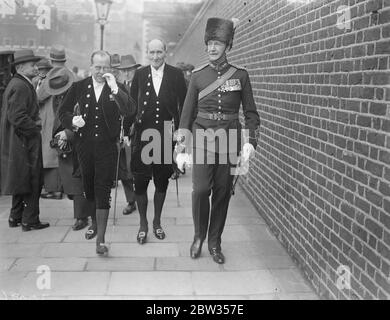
<point>215,180</point>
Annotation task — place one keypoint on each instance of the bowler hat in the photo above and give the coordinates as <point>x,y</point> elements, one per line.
<point>57,53</point>
<point>44,64</point>
<point>58,81</point>
<point>115,60</point>
<point>221,30</point>
<point>128,62</point>
<point>25,55</point>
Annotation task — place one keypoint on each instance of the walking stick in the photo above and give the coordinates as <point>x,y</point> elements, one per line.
<point>177,192</point>
<point>121,138</point>
<point>237,176</point>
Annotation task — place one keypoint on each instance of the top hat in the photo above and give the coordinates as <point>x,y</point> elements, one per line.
<point>57,53</point>
<point>58,81</point>
<point>221,30</point>
<point>25,55</point>
<point>128,62</point>
<point>115,60</point>
<point>44,64</point>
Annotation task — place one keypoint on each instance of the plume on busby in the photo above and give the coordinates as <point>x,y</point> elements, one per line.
<point>221,30</point>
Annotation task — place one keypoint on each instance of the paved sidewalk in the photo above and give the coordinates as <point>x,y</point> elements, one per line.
<point>257,266</point>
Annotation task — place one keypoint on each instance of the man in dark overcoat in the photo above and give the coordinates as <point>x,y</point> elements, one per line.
<point>93,108</point>
<point>21,145</point>
<point>159,90</point>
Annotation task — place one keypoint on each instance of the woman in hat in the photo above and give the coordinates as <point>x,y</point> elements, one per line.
<point>212,105</point>
<point>52,182</point>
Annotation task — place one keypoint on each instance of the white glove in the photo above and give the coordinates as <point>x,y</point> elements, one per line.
<point>78,122</point>
<point>183,160</point>
<point>126,141</point>
<point>111,81</point>
<point>248,152</point>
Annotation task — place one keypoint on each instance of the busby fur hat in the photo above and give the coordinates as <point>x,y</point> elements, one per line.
<point>221,30</point>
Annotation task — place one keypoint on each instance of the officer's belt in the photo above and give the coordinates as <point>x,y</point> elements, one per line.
<point>216,84</point>
<point>218,116</point>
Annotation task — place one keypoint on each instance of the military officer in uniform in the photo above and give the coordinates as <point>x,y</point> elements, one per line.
<point>159,90</point>
<point>215,94</point>
<point>93,108</point>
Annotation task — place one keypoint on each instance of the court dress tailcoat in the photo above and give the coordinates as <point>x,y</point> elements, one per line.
<point>153,111</point>
<point>96,142</point>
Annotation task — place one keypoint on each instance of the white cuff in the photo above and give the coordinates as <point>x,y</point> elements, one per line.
<point>115,90</point>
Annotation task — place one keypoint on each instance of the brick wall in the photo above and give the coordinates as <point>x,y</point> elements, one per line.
<point>321,177</point>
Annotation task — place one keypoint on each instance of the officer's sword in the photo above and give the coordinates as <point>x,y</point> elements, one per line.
<point>236,177</point>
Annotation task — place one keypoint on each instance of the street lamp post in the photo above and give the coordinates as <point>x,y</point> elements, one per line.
<point>102,10</point>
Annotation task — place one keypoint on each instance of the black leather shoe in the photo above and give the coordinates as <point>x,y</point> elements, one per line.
<point>14,223</point>
<point>196,249</point>
<point>80,224</point>
<point>37,226</point>
<point>141,237</point>
<point>101,249</point>
<point>159,233</point>
<point>131,207</point>
<point>91,233</point>
<point>217,255</point>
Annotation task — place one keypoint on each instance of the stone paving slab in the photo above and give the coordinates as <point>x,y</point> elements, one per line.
<point>151,283</point>
<point>236,283</point>
<point>245,263</point>
<point>69,250</point>
<point>239,249</point>
<point>117,250</point>
<point>6,263</point>
<point>11,283</point>
<point>121,264</point>
<point>290,280</point>
<point>55,264</point>
<point>231,221</point>
<point>68,284</point>
<point>151,250</point>
<point>49,235</point>
<point>16,250</point>
<point>187,264</point>
<point>246,233</point>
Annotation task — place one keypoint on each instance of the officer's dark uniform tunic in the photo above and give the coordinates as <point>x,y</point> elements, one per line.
<point>209,177</point>
<point>153,112</point>
<point>96,141</point>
